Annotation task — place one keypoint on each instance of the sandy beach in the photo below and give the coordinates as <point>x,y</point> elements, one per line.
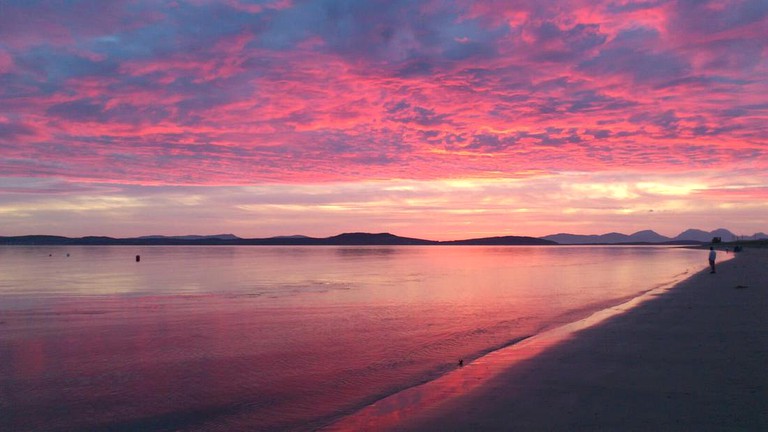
<point>692,357</point>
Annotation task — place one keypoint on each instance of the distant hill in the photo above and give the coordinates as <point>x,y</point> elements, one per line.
<point>704,236</point>
<point>35,239</point>
<point>363,239</point>
<point>647,236</point>
<point>690,236</point>
<point>695,235</point>
<point>222,239</point>
<point>192,237</point>
<point>350,239</point>
<point>500,241</point>
<point>724,235</point>
<point>610,238</point>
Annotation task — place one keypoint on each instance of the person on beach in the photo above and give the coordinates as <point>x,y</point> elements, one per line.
<point>712,256</point>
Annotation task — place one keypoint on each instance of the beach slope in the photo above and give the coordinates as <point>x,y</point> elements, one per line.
<point>694,357</point>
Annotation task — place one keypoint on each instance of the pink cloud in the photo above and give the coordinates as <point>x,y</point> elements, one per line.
<point>741,194</point>
<point>235,93</point>
<point>6,62</point>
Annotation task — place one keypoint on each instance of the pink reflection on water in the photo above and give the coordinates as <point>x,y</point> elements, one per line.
<point>29,358</point>
<point>140,363</point>
<point>401,408</point>
<point>280,339</point>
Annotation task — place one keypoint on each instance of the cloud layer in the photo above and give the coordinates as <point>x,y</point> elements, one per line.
<point>237,93</point>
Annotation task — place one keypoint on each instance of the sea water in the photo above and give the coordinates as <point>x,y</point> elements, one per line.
<point>278,338</point>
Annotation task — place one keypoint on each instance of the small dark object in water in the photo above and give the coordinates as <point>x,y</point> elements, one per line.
<point>742,286</point>
<point>461,363</point>
<point>138,258</point>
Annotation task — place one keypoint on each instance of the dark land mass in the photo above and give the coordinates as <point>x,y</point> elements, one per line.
<point>500,241</point>
<point>640,243</point>
<point>689,236</point>
<point>382,239</point>
<point>346,239</point>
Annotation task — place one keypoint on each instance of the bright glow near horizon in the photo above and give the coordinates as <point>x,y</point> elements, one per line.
<point>439,119</point>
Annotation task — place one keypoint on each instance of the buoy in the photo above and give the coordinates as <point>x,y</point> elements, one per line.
<point>138,258</point>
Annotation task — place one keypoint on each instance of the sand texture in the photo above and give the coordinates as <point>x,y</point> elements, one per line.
<point>694,358</point>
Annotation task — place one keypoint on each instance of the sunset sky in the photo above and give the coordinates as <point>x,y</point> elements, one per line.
<point>431,119</point>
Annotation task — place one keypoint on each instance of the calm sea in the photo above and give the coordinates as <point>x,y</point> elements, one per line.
<point>277,338</point>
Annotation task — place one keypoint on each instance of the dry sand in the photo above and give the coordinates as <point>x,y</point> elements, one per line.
<point>691,358</point>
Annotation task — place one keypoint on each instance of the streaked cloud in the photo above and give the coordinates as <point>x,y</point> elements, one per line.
<point>534,105</point>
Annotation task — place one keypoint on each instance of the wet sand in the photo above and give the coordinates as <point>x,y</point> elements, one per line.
<point>693,357</point>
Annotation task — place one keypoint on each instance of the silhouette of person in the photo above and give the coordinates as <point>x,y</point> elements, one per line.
<point>712,256</point>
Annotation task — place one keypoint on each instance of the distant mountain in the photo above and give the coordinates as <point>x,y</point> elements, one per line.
<point>565,238</point>
<point>646,236</point>
<point>350,239</point>
<point>694,234</point>
<point>500,241</point>
<point>192,237</point>
<point>221,239</point>
<point>610,238</point>
<point>690,236</point>
<point>724,235</point>
<point>362,239</point>
<point>649,236</point>
<point>34,240</point>
<point>704,236</point>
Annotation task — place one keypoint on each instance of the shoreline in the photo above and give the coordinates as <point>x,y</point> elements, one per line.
<point>588,374</point>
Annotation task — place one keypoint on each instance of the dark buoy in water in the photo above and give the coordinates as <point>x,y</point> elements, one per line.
<point>138,258</point>
<point>461,363</point>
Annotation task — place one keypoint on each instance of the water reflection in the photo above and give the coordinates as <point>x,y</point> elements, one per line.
<point>368,251</point>
<point>211,338</point>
